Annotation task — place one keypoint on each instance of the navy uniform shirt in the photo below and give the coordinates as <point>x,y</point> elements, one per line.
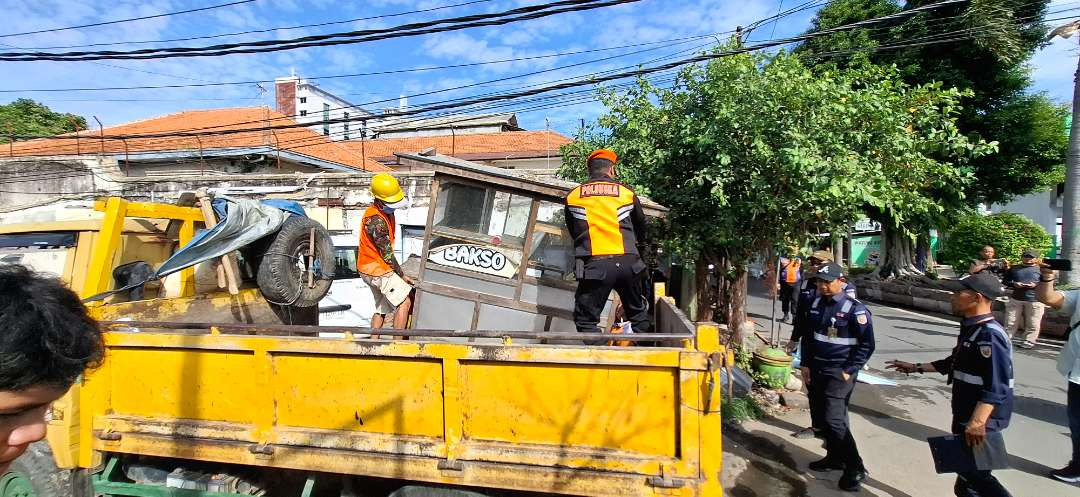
<point>806,297</point>
<point>980,370</point>
<point>840,334</point>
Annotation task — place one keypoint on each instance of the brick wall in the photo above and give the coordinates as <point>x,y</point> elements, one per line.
<point>285,97</point>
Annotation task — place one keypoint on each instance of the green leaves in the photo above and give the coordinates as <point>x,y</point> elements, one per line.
<point>1010,234</point>
<point>27,117</point>
<point>752,150</point>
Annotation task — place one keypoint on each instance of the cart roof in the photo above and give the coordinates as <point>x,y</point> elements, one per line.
<point>556,189</point>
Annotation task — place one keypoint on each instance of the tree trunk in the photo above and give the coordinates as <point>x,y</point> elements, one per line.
<point>899,257</point>
<point>706,297</point>
<point>1070,215</point>
<point>737,304</point>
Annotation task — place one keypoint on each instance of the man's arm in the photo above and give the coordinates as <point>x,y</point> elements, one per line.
<point>571,225</point>
<point>995,390</point>
<point>1009,280</point>
<point>380,235</point>
<point>865,348</point>
<point>1045,292</point>
<point>641,224</point>
<point>976,266</point>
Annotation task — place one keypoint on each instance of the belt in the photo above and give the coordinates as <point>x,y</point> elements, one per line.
<point>598,257</point>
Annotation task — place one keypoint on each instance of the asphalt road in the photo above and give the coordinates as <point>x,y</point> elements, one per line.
<point>891,423</point>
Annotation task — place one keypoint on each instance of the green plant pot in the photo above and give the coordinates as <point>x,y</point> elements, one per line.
<point>775,364</point>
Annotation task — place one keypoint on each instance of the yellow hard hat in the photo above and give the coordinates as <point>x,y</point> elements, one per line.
<point>386,188</point>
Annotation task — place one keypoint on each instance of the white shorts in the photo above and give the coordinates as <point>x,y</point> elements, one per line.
<point>389,290</point>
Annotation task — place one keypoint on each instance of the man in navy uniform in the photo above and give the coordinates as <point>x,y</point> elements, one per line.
<point>839,341</point>
<point>798,330</point>
<point>981,372</point>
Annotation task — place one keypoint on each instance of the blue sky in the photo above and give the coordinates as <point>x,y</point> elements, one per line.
<point>646,21</point>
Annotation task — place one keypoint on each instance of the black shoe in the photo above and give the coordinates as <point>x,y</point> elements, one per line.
<point>784,319</point>
<point>851,480</point>
<point>825,464</point>
<point>1068,474</point>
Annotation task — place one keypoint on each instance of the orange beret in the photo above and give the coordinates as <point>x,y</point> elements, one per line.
<point>603,154</point>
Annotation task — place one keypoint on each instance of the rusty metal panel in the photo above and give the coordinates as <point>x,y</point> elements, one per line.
<point>354,393</point>
<point>633,409</point>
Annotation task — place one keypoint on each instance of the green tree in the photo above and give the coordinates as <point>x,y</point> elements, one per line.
<point>27,117</point>
<point>752,151</point>
<point>1010,234</point>
<point>981,45</point>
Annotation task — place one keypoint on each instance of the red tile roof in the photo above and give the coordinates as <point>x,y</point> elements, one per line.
<point>302,140</point>
<point>508,145</point>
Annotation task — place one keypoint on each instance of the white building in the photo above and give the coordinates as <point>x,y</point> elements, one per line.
<point>295,96</point>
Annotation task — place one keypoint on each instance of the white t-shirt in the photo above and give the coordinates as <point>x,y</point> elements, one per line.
<point>1068,363</point>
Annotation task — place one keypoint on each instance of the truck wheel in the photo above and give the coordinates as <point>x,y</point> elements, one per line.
<point>34,474</point>
<point>422,491</point>
<point>284,263</point>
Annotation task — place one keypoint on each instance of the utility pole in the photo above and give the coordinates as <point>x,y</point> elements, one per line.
<point>1070,212</point>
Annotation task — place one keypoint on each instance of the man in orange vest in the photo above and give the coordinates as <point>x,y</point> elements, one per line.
<point>375,259</point>
<point>606,223</point>
<point>790,276</point>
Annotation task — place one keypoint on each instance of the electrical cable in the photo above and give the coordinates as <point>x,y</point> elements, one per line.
<point>351,37</point>
<point>118,21</point>
<point>268,30</point>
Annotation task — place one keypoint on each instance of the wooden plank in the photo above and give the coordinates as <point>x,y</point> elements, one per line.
<point>228,261</point>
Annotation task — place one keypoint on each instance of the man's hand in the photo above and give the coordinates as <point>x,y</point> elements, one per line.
<point>847,377</point>
<point>408,280</point>
<point>790,347</point>
<point>805,375</point>
<point>901,366</point>
<point>975,433</point>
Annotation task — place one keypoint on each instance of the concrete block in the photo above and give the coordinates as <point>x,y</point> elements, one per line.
<point>794,400</point>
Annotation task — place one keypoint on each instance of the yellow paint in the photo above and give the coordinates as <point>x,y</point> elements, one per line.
<point>512,416</point>
<point>626,408</point>
<point>108,241</point>
<point>213,385</point>
<point>359,394</point>
<point>187,276</point>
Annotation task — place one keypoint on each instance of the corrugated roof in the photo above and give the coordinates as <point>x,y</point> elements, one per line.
<point>509,144</point>
<point>296,140</point>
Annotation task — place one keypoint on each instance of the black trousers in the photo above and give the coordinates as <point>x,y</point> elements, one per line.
<point>976,483</point>
<point>788,294</point>
<point>833,395</point>
<point>597,277</point>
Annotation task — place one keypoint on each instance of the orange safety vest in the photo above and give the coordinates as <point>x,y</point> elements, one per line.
<point>369,259</point>
<point>791,271</point>
<point>601,210</point>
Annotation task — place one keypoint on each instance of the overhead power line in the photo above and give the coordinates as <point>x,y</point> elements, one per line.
<point>572,84</point>
<point>118,21</point>
<point>372,73</point>
<point>332,39</point>
<point>267,30</point>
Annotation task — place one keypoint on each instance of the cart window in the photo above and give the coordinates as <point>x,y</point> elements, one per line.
<point>345,263</point>
<point>551,250</point>
<point>498,217</point>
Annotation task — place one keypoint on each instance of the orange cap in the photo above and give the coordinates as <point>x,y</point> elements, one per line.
<point>603,154</point>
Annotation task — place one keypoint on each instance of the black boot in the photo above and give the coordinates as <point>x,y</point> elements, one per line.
<point>850,481</point>
<point>826,464</point>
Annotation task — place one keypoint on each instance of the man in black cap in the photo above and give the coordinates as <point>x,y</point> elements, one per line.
<point>799,330</point>
<point>1022,279</point>
<point>981,372</point>
<point>839,341</point>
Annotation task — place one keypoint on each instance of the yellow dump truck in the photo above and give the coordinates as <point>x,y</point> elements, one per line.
<point>187,403</point>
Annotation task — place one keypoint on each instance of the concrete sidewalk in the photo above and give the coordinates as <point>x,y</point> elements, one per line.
<point>891,424</point>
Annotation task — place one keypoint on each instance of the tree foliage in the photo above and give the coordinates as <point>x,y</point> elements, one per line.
<point>754,150</point>
<point>27,117</point>
<point>1010,234</point>
<point>751,151</point>
<point>981,45</point>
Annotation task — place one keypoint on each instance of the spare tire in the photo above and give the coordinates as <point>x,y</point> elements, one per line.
<point>282,273</point>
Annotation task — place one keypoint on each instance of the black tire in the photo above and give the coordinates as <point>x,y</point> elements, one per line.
<point>285,261</point>
<point>425,491</point>
<point>37,467</point>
